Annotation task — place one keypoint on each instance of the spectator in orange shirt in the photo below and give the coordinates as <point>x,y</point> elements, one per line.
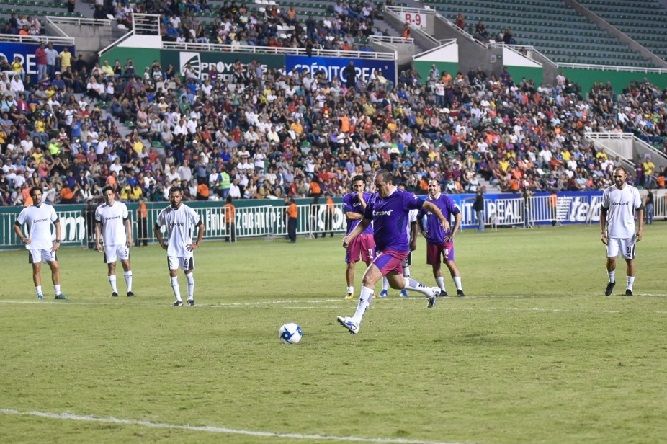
<point>292,213</point>
<point>230,220</point>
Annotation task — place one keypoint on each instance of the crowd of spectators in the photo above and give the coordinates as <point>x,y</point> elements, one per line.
<point>23,25</point>
<point>272,134</point>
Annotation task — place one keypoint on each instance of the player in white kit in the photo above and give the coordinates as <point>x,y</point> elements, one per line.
<point>621,205</point>
<point>180,221</point>
<point>41,248</point>
<point>112,225</point>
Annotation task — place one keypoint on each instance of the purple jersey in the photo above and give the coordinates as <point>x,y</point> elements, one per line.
<point>390,219</point>
<point>433,231</point>
<point>351,204</point>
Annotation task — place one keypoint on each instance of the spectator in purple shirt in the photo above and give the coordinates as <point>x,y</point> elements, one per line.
<point>388,211</point>
<point>363,246</point>
<point>439,242</point>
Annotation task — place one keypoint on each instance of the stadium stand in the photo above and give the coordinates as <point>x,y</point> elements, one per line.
<point>286,133</point>
<point>555,29</point>
<point>643,20</point>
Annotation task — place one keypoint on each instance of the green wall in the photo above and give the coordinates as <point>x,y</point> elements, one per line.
<point>585,78</point>
<point>424,68</point>
<point>527,72</point>
<point>142,57</point>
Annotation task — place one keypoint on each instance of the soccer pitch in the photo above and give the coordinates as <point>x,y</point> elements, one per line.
<point>534,353</point>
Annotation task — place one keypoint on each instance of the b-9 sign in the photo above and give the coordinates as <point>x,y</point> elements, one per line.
<point>415,18</point>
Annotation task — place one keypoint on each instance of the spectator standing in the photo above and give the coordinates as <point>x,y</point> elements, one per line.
<point>51,59</point>
<point>230,220</point>
<point>292,214</point>
<point>41,62</point>
<point>142,224</point>
<point>478,208</point>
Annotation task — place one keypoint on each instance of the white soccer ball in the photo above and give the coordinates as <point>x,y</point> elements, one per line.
<point>290,333</point>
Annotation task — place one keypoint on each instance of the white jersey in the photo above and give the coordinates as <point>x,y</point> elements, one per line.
<point>621,205</point>
<point>180,224</point>
<point>39,219</point>
<point>112,218</point>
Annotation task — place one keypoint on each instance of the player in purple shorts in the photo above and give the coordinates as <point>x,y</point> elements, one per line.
<point>363,246</point>
<point>388,211</point>
<point>439,242</point>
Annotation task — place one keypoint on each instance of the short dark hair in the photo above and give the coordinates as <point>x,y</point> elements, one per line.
<point>385,176</point>
<point>33,189</point>
<point>175,189</point>
<point>357,178</point>
<point>106,188</point>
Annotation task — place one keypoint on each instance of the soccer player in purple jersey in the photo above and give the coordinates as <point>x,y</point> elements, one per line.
<point>363,246</point>
<point>388,210</point>
<point>439,242</point>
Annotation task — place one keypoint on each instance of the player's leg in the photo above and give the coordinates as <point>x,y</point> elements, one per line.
<point>36,265</point>
<point>55,275</point>
<point>111,276</point>
<point>448,255</point>
<point>349,280</point>
<point>433,258</point>
<point>406,274</point>
<point>124,255</point>
<point>173,264</point>
<point>188,269</point>
<point>396,280</point>
<point>371,276</point>
<point>352,255</point>
<point>628,249</point>
<point>612,252</point>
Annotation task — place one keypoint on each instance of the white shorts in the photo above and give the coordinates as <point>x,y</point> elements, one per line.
<point>185,263</point>
<point>114,252</point>
<point>36,256</point>
<point>626,247</point>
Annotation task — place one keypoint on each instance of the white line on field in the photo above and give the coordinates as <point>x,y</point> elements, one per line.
<point>65,416</point>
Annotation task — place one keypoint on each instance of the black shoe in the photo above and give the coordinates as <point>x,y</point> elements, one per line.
<point>443,294</point>
<point>628,292</point>
<point>61,297</point>
<point>114,294</point>
<point>460,293</point>
<point>178,303</point>
<point>610,289</point>
<point>130,294</point>
<point>191,302</point>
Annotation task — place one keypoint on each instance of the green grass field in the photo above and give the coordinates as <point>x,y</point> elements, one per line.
<point>534,353</point>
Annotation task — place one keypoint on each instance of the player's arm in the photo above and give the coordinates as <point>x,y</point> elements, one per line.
<point>56,243</point>
<point>457,225</point>
<point>361,226</point>
<point>603,225</point>
<point>98,235</point>
<point>639,215</point>
<point>429,206</point>
<point>353,215</point>
<point>19,233</point>
<point>128,232</point>
<point>413,235</point>
<point>200,235</point>
<point>158,235</point>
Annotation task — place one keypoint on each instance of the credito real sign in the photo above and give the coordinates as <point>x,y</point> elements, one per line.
<point>334,66</point>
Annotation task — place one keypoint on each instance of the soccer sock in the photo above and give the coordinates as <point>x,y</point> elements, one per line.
<point>457,282</point>
<point>112,282</point>
<point>406,271</point>
<point>128,279</point>
<point>631,281</point>
<point>177,291</point>
<point>612,276</point>
<point>364,302</point>
<point>441,283</point>
<point>38,290</point>
<point>191,286</point>
<point>350,290</point>
<point>411,284</point>
<point>57,289</point>
<point>385,284</point>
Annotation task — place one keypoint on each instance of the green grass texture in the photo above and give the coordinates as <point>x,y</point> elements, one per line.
<point>535,353</point>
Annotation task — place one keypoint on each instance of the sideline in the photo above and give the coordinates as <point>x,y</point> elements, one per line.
<point>210,429</point>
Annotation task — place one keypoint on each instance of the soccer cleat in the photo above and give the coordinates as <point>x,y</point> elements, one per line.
<point>434,292</point>
<point>460,293</point>
<point>610,289</point>
<point>114,294</point>
<point>404,293</point>
<point>443,294</point>
<point>628,292</point>
<point>349,297</point>
<point>384,293</point>
<point>191,302</point>
<point>130,294</point>
<point>347,322</point>
<point>61,297</point>
<point>40,297</point>
<point>178,303</point>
